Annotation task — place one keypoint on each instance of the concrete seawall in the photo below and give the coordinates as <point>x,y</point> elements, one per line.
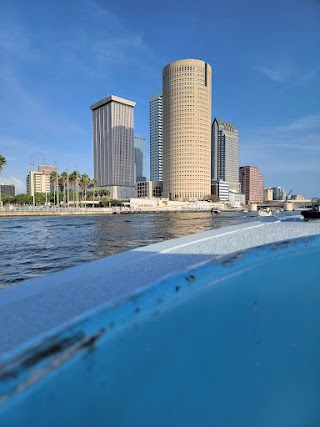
<point>102,211</point>
<point>51,212</point>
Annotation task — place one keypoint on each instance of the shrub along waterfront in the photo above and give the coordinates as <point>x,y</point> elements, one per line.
<point>95,198</point>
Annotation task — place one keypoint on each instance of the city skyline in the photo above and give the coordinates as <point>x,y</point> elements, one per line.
<point>58,59</point>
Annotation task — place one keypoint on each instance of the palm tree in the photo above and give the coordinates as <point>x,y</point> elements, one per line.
<point>3,161</point>
<point>63,181</point>
<point>54,182</point>
<point>72,182</point>
<point>106,192</point>
<point>93,183</point>
<point>84,182</point>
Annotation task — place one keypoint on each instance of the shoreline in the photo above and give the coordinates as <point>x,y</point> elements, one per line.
<point>104,211</point>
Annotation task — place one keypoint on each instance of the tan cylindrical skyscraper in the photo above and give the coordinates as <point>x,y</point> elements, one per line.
<point>187,86</point>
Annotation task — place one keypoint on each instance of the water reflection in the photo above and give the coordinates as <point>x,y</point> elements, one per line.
<point>35,246</point>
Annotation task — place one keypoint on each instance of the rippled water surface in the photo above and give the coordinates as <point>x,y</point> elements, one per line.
<point>34,246</point>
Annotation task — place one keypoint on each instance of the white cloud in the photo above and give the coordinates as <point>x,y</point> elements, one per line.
<point>277,75</point>
<point>309,123</point>
<point>113,42</point>
<point>302,133</point>
<point>283,72</point>
<point>286,154</point>
<point>309,75</point>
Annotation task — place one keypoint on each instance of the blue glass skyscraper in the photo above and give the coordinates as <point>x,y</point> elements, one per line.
<point>156,129</point>
<point>139,158</point>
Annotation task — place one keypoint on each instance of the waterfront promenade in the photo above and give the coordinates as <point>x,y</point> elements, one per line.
<point>12,211</point>
<point>45,211</point>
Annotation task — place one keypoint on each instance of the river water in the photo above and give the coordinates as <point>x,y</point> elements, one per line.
<point>35,246</point>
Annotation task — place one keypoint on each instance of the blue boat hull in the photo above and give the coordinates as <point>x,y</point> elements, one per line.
<point>232,342</point>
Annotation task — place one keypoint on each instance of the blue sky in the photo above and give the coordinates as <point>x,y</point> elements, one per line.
<point>59,57</point>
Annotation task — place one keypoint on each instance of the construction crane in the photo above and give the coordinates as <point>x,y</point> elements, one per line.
<point>288,194</point>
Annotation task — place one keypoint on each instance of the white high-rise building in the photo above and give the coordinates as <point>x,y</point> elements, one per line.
<point>156,138</point>
<point>225,153</point>
<point>113,145</point>
<point>279,193</point>
<point>39,181</point>
<point>220,188</point>
<point>187,129</point>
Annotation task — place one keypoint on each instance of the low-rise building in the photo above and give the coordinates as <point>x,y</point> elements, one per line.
<point>267,194</point>
<point>148,189</point>
<point>296,197</point>
<point>237,198</point>
<point>220,188</point>
<point>8,189</point>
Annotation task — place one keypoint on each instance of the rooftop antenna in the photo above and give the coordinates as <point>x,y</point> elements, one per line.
<point>68,188</point>
<point>31,162</point>
<point>77,188</point>
<point>47,178</point>
<point>57,199</point>
<point>31,181</point>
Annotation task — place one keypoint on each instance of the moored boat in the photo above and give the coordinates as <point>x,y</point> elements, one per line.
<point>264,212</point>
<point>314,212</point>
<point>216,211</point>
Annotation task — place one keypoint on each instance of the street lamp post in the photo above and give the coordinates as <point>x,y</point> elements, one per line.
<point>68,189</point>
<point>77,190</point>
<point>33,188</point>
<point>57,196</point>
<point>45,185</point>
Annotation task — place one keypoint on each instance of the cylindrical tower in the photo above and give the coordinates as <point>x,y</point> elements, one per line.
<point>187,87</point>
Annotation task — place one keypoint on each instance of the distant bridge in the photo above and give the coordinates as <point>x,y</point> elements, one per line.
<point>296,204</point>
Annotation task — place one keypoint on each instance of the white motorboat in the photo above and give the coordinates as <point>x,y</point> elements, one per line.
<point>264,212</point>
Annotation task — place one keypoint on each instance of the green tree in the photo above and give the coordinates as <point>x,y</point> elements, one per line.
<point>22,199</point>
<point>40,198</point>
<point>94,184</point>
<point>63,181</point>
<point>6,199</point>
<point>72,182</point>
<point>84,182</point>
<point>212,197</point>
<point>103,192</point>
<point>3,161</point>
<point>104,203</point>
<point>54,182</point>
<point>106,192</point>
